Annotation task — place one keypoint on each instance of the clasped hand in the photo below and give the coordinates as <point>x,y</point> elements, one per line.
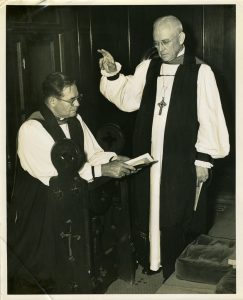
<point>107,62</point>
<point>117,168</point>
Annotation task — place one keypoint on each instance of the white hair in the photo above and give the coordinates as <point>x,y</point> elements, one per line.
<point>171,21</point>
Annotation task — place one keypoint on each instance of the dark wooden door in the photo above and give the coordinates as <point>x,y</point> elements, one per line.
<point>39,41</point>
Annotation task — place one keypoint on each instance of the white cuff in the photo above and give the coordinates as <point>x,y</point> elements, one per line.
<point>97,171</point>
<point>204,164</point>
<point>118,69</point>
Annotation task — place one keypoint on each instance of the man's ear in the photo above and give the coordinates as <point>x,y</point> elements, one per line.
<point>182,38</point>
<point>52,101</point>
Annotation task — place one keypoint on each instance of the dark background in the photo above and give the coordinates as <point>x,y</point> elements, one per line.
<point>43,39</point>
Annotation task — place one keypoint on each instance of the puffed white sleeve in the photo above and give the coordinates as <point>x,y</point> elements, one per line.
<point>34,151</point>
<point>95,155</point>
<point>213,137</point>
<point>125,91</point>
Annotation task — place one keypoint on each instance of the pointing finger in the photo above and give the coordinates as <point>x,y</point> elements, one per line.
<point>102,51</point>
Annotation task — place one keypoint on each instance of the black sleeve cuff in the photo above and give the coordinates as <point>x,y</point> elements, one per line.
<point>111,158</point>
<point>114,77</point>
<point>204,157</point>
<point>93,172</point>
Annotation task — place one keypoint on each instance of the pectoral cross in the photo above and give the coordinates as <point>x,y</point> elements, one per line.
<point>70,236</point>
<point>161,105</point>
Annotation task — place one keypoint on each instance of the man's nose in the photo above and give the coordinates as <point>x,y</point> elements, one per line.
<point>161,46</point>
<point>76,103</point>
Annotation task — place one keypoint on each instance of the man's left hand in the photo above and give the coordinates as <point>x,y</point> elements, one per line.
<point>202,174</point>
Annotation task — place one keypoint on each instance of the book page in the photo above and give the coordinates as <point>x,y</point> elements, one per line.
<point>140,160</point>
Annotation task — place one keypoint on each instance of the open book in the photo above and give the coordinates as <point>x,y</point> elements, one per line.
<point>141,161</point>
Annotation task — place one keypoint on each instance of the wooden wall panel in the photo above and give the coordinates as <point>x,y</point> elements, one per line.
<point>229,68</point>
<point>219,52</point>
<point>103,27</point>
<point>42,57</point>
<point>214,39</point>
<point>84,51</point>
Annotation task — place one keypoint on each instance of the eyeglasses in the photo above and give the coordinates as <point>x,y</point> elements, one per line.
<point>165,43</point>
<point>72,100</point>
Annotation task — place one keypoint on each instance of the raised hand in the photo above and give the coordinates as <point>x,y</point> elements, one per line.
<point>107,62</point>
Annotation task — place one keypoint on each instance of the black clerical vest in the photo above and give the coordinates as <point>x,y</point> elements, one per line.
<point>178,172</point>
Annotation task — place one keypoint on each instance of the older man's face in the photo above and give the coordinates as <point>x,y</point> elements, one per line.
<point>67,104</point>
<point>167,41</point>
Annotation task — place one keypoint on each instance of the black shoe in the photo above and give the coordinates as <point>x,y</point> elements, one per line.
<point>150,272</point>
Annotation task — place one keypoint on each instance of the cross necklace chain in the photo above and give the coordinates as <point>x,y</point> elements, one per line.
<point>162,104</point>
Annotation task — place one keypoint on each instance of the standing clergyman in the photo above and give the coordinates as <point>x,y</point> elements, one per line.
<point>181,123</point>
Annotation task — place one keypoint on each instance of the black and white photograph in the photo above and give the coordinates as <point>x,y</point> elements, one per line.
<point>120,159</point>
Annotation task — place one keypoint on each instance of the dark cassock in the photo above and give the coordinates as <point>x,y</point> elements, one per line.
<point>48,236</point>
<point>180,122</point>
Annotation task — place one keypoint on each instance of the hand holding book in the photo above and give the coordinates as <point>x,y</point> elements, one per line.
<point>141,161</point>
